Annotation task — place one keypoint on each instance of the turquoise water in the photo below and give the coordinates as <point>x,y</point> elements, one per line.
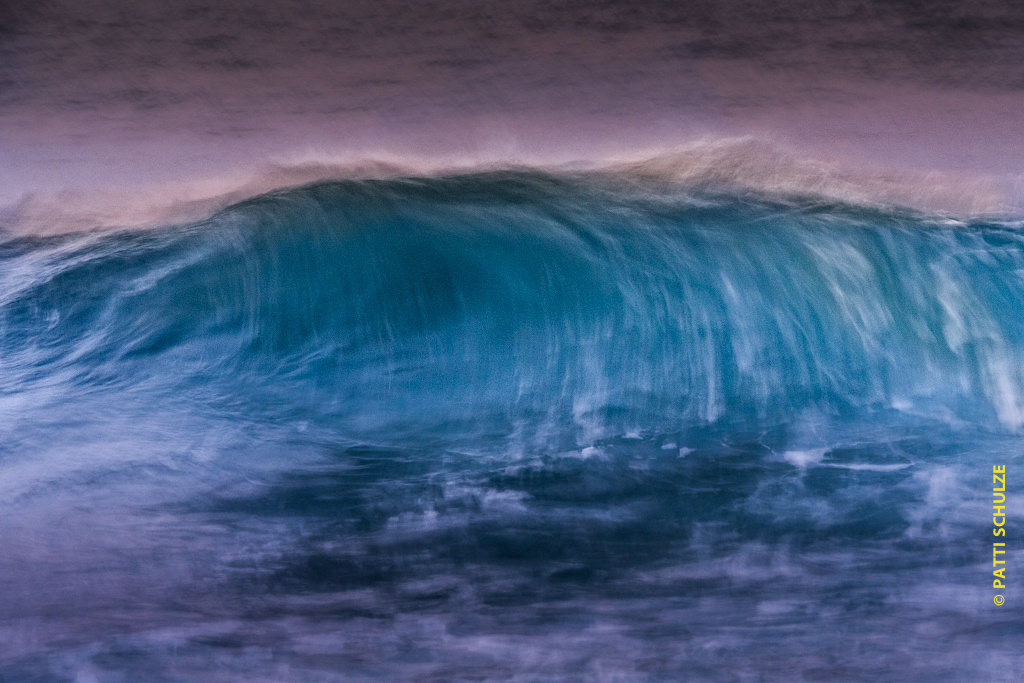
<point>511,426</point>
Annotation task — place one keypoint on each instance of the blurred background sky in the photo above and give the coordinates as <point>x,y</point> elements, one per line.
<point>102,93</point>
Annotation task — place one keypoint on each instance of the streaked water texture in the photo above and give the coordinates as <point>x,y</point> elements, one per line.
<point>511,425</point>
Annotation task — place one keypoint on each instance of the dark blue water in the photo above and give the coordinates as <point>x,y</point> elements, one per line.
<point>511,426</point>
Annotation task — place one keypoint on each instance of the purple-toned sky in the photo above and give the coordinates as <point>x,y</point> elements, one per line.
<point>106,93</point>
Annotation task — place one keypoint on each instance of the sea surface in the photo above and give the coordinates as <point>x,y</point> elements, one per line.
<point>513,424</point>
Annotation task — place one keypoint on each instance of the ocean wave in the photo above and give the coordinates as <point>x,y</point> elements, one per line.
<point>557,307</point>
<point>405,414</point>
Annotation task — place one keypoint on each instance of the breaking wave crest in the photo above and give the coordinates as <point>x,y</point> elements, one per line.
<point>743,165</point>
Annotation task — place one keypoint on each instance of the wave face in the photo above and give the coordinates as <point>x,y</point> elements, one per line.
<point>509,423</point>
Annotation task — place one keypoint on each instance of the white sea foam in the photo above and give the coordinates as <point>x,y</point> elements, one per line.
<point>803,458</point>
